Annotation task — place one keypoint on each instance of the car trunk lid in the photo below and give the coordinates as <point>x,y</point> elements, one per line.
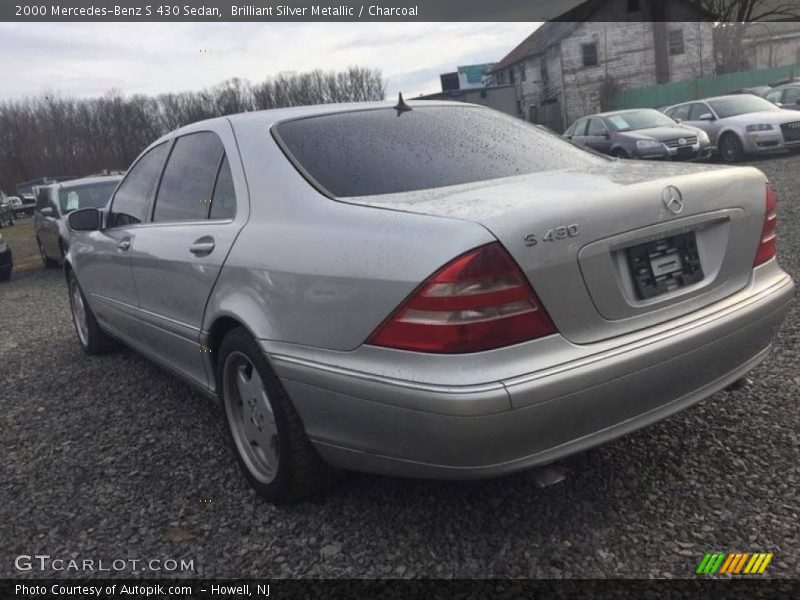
<point>608,249</point>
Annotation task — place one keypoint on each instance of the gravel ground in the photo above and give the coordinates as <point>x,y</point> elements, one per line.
<point>111,457</point>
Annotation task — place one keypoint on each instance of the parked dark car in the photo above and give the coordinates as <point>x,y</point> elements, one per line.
<point>54,202</point>
<point>785,96</point>
<point>640,133</point>
<point>6,213</point>
<point>6,264</point>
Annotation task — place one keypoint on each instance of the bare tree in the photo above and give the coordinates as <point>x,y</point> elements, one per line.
<point>53,135</point>
<point>733,17</point>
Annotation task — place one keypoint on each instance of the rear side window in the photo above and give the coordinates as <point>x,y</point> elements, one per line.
<point>371,152</point>
<point>43,198</point>
<point>223,202</point>
<point>681,112</point>
<point>188,182</point>
<point>135,192</point>
<point>697,111</point>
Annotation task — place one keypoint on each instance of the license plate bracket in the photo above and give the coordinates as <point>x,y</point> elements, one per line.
<point>664,265</point>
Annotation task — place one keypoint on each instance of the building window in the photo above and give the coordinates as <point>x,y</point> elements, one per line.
<point>511,75</point>
<point>543,70</point>
<point>522,74</point>
<point>633,5</point>
<point>676,42</point>
<point>589,55</point>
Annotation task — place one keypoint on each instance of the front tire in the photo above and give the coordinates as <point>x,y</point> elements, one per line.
<point>730,148</point>
<point>46,260</point>
<point>92,339</point>
<point>264,429</point>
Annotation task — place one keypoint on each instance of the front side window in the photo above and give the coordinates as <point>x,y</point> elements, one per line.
<point>188,183</point>
<point>371,152</point>
<point>676,41</point>
<point>130,203</point>
<point>596,127</point>
<point>589,55</point>
<point>774,96</point>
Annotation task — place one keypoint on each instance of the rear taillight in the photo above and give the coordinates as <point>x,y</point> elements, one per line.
<point>479,301</point>
<point>769,233</point>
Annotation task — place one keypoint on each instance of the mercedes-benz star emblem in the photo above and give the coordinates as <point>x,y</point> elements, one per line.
<point>672,199</point>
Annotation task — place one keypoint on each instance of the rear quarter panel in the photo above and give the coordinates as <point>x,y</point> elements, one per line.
<point>310,270</point>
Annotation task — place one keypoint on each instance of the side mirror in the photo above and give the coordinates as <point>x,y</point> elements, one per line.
<point>677,119</point>
<point>85,219</point>
<point>606,135</point>
<point>47,211</point>
<point>706,117</point>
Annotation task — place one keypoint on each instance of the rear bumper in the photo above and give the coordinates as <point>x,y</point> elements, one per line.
<point>396,425</point>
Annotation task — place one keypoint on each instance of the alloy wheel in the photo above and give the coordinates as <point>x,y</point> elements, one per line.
<point>250,416</point>
<point>79,312</point>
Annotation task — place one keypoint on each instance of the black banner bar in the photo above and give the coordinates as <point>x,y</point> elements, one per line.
<point>303,10</point>
<point>357,589</point>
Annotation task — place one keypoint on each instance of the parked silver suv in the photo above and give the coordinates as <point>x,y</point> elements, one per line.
<point>54,202</point>
<point>428,289</point>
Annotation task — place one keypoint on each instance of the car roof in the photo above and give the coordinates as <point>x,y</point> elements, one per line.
<point>85,181</point>
<point>611,113</point>
<point>274,116</point>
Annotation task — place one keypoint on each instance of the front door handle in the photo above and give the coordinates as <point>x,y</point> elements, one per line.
<point>124,244</point>
<point>203,246</point>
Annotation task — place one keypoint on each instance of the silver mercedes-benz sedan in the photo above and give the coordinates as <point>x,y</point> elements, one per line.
<point>429,289</point>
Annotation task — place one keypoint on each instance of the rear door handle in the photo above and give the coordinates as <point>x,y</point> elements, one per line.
<point>202,247</point>
<point>124,244</point>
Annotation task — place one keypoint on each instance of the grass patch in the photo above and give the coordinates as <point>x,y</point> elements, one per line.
<point>22,240</point>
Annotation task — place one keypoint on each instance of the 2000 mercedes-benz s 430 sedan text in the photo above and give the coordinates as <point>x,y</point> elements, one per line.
<point>428,290</point>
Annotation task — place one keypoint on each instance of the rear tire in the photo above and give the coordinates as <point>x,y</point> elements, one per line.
<point>264,429</point>
<point>730,148</point>
<point>92,339</point>
<point>620,153</point>
<point>46,260</point>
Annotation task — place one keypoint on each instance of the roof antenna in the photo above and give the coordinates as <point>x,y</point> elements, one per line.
<point>401,105</point>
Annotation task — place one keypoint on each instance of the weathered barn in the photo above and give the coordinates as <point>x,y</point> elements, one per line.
<point>572,66</point>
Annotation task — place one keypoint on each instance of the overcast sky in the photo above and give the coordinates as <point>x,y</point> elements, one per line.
<point>91,59</point>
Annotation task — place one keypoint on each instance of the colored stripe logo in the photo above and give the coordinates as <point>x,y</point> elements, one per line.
<point>734,563</point>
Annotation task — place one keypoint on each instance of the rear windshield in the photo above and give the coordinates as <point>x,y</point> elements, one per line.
<point>93,195</point>
<point>373,152</point>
